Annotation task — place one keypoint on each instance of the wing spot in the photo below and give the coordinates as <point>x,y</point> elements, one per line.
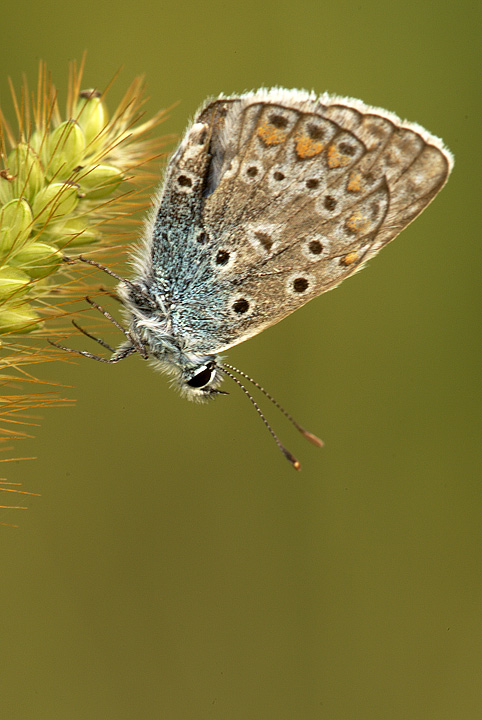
<point>278,121</point>
<point>241,306</point>
<point>329,202</point>
<point>273,130</point>
<point>222,257</point>
<point>184,181</point>
<point>201,237</point>
<point>252,171</point>
<point>338,157</point>
<point>278,175</point>
<point>300,285</point>
<point>312,183</point>
<point>347,149</point>
<point>315,247</point>
<point>315,132</point>
<point>264,240</point>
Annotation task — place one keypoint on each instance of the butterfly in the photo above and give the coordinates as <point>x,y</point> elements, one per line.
<point>272,198</point>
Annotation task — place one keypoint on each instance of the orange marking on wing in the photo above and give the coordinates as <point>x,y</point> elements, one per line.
<point>336,158</point>
<point>349,258</point>
<point>355,182</point>
<point>272,135</point>
<point>358,222</point>
<point>306,147</point>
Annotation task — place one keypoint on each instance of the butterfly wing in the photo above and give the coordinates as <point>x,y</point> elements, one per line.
<point>295,195</point>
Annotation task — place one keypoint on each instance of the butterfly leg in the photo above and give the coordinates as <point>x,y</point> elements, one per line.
<point>137,346</point>
<point>93,337</point>
<point>124,351</point>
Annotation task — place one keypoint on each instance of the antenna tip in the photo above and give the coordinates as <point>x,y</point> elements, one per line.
<point>313,438</point>
<point>296,463</point>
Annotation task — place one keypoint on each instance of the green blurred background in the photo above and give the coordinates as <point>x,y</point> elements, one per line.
<point>176,566</point>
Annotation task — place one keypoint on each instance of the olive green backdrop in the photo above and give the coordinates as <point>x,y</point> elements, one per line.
<point>176,567</point>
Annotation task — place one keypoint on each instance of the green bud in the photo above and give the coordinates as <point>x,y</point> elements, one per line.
<point>18,319</point>
<point>25,166</point>
<point>77,233</point>
<point>12,283</point>
<point>6,187</point>
<point>38,259</point>
<point>91,114</point>
<point>74,232</point>
<point>66,148</point>
<point>38,140</point>
<point>15,225</point>
<point>100,181</point>
<point>54,201</point>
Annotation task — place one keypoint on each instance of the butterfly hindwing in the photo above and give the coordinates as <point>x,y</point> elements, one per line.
<point>275,197</point>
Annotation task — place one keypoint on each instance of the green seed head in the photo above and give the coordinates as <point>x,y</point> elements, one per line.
<point>26,168</point>
<point>54,201</point>
<point>15,226</point>
<point>100,181</point>
<point>13,282</point>
<point>91,114</point>
<point>74,232</point>
<point>6,187</point>
<point>38,260</point>
<point>19,319</point>
<point>65,150</point>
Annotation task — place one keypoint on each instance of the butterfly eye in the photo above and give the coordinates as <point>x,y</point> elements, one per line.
<point>201,378</point>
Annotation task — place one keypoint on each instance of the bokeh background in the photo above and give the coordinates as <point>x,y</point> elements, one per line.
<point>175,566</point>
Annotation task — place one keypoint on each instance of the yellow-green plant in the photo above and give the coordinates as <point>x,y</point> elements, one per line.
<point>63,179</point>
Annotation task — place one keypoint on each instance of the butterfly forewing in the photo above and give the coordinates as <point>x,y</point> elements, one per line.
<point>297,193</point>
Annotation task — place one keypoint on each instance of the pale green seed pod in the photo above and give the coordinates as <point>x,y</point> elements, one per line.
<point>77,233</point>
<point>74,232</point>
<point>13,282</point>
<point>91,114</point>
<point>15,225</point>
<point>66,148</point>
<point>100,181</point>
<point>38,140</point>
<point>26,168</point>
<point>19,319</point>
<point>54,201</point>
<point>6,187</point>
<point>38,260</point>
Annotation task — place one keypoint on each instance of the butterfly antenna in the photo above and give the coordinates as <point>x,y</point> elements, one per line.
<point>296,464</point>
<point>307,434</point>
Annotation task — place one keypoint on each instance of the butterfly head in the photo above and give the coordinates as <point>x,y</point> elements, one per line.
<point>197,379</point>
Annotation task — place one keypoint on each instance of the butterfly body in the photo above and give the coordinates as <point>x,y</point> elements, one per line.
<point>272,198</point>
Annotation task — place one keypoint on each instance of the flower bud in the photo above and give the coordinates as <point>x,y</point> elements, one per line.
<point>15,225</point>
<point>6,187</point>
<point>21,318</point>
<point>66,148</point>
<point>74,232</point>
<point>24,164</point>
<point>91,114</point>
<point>54,201</point>
<point>100,181</point>
<point>38,259</point>
<point>77,233</point>
<point>12,283</point>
